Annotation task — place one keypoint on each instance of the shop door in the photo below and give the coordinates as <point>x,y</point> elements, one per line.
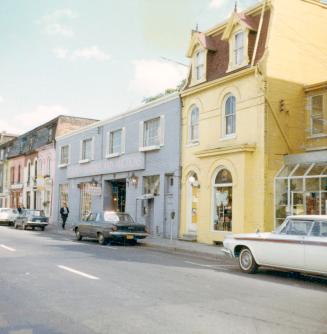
<point>149,215</point>
<point>170,218</point>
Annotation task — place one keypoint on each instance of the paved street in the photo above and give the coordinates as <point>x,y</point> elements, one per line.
<point>51,284</point>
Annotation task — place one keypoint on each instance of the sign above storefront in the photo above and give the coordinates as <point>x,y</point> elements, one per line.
<point>123,163</point>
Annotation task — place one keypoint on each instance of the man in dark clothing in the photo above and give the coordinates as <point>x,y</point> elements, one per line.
<point>64,211</point>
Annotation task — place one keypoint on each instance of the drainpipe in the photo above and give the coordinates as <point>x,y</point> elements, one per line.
<point>259,32</point>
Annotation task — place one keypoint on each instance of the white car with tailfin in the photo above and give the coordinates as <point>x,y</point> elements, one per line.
<point>299,245</point>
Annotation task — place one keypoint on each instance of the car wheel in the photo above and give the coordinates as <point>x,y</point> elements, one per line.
<point>24,227</point>
<point>42,228</point>
<point>247,262</point>
<point>101,239</point>
<point>78,235</point>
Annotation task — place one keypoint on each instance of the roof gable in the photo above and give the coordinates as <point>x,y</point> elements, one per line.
<point>238,19</point>
<point>199,38</point>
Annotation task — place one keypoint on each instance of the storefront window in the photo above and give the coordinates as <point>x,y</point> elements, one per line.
<point>223,195</point>
<point>302,190</point>
<point>281,200</point>
<point>63,194</point>
<point>86,200</point>
<point>151,185</point>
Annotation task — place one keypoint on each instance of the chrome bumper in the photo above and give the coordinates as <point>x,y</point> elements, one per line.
<point>36,224</point>
<point>124,234</point>
<point>227,252</point>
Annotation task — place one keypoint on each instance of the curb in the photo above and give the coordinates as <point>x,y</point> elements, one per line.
<point>170,249</point>
<point>183,251</point>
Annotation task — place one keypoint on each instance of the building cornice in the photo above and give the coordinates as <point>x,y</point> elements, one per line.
<point>220,81</point>
<point>216,151</point>
<point>316,86</point>
<point>144,107</point>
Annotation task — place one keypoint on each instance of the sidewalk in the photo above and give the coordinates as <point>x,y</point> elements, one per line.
<point>159,244</point>
<point>183,247</point>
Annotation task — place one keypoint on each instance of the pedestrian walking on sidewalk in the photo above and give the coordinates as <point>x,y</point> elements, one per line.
<point>64,211</point>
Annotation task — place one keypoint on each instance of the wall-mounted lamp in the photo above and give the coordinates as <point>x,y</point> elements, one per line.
<point>94,182</point>
<point>133,180</point>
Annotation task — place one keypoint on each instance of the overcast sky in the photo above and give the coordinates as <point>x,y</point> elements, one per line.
<point>93,58</point>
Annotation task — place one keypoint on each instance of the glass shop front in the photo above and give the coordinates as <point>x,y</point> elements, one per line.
<point>300,189</point>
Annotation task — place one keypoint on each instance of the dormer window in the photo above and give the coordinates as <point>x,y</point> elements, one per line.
<point>199,65</point>
<point>239,48</point>
<point>237,33</point>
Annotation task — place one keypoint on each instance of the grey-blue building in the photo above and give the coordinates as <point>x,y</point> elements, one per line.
<point>128,163</point>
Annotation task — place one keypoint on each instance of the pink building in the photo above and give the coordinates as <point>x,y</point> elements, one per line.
<point>16,175</point>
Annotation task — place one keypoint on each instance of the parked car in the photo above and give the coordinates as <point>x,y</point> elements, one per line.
<point>299,245</point>
<point>31,219</point>
<point>110,226</point>
<point>8,216</point>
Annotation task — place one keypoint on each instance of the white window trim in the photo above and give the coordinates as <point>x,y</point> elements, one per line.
<point>246,60</point>
<point>213,203</point>
<point>81,161</point>
<point>191,141</point>
<point>63,165</point>
<point>316,135</point>
<point>194,80</point>
<point>225,136</point>
<point>84,161</point>
<point>143,148</point>
<point>122,145</point>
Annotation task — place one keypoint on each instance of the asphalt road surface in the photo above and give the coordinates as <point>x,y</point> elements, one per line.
<point>50,284</point>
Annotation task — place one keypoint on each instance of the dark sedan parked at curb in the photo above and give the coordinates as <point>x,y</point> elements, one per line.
<point>32,219</point>
<point>110,226</point>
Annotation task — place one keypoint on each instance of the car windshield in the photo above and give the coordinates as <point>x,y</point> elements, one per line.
<point>117,217</point>
<point>295,227</point>
<point>36,213</point>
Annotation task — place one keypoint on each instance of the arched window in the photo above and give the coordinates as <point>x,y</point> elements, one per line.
<point>28,172</point>
<point>222,199</point>
<point>194,124</point>
<point>19,174</point>
<point>35,169</point>
<point>49,166</point>
<point>230,116</point>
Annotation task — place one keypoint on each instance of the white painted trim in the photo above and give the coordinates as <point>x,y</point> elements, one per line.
<point>231,65</point>
<point>62,165</point>
<point>149,148</point>
<point>84,161</point>
<point>123,140</point>
<point>113,155</point>
<point>141,135</point>
<point>162,130</point>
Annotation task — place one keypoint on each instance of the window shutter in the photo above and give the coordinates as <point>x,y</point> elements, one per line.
<point>107,144</point>
<point>123,140</point>
<point>69,153</point>
<point>60,155</point>
<point>81,149</point>
<point>93,148</point>
<point>162,130</point>
<point>141,134</point>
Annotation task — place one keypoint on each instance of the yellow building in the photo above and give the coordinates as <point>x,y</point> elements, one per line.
<point>245,115</point>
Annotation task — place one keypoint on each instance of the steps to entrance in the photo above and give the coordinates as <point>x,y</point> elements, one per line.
<point>192,237</point>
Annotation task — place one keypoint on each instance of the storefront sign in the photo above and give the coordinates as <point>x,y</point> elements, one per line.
<point>123,163</point>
